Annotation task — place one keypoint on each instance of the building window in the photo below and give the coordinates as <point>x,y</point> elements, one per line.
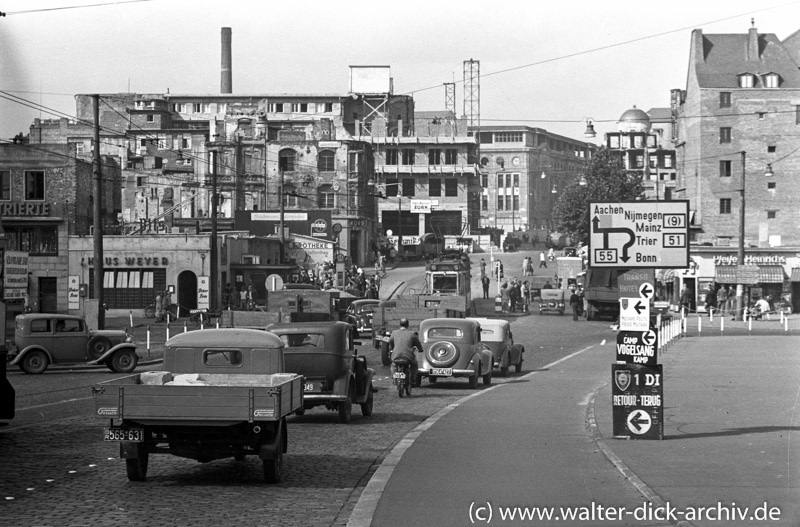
<point>326,161</point>
<point>771,80</point>
<point>391,156</point>
<point>500,201</point>
<point>485,180</point>
<point>326,197</point>
<point>724,169</point>
<point>435,187</point>
<point>328,107</point>
<point>451,187</point>
<point>5,185</point>
<point>771,149</point>
<point>300,107</point>
<point>275,107</point>
<point>40,240</point>
<point>772,214</point>
<point>435,156</point>
<point>151,118</point>
<point>392,187</point>
<point>34,185</point>
<point>484,202</point>
<point>408,156</point>
<point>725,206</point>
<point>198,107</point>
<point>725,134</point>
<point>724,99</point>
<point>516,180</point>
<point>289,196</point>
<point>746,81</point>
<point>286,159</point>
<point>771,185</point>
<point>408,187</point>
<point>515,203</point>
<point>450,156</point>
<point>508,137</point>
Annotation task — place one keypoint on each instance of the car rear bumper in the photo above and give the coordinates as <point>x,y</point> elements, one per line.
<point>323,397</point>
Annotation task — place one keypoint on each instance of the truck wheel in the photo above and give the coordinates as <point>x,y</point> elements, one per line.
<point>590,314</point>
<point>137,468</point>
<point>300,411</point>
<point>346,409</point>
<point>273,468</point>
<point>98,346</point>
<point>366,407</point>
<point>34,362</point>
<point>386,357</point>
<point>124,361</point>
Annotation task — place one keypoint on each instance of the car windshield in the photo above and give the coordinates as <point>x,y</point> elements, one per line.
<point>435,333</point>
<point>303,340</point>
<point>369,308</point>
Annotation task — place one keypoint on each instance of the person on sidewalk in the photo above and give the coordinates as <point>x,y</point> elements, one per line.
<point>574,303</point>
<point>722,300</point>
<point>711,301</point>
<point>159,307</point>
<point>542,260</point>
<point>485,281</point>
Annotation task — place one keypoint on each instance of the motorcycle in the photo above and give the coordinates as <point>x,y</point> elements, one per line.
<point>401,374</point>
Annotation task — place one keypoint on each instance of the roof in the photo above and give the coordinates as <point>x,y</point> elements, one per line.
<point>225,338</point>
<point>448,322</point>
<point>719,58</point>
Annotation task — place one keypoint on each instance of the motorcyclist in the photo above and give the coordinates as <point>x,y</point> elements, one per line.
<point>405,344</point>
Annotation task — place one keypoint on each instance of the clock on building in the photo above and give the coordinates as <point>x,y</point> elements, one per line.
<point>515,161</point>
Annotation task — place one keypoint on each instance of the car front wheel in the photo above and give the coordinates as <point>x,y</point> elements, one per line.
<point>124,361</point>
<point>34,362</point>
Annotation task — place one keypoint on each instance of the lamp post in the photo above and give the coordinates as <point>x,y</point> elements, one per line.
<point>740,252</point>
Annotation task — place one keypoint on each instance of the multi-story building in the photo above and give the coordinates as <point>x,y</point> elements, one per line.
<point>522,172</point>
<point>738,122</point>
<point>47,195</point>
<point>644,143</point>
<point>428,181</point>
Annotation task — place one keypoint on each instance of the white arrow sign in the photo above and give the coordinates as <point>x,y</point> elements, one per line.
<point>646,291</point>
<point>639,422</point>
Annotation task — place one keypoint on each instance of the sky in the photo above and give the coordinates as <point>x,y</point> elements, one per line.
<point>550,65</point>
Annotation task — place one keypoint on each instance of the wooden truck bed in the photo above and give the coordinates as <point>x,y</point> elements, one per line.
<point>206,399</point>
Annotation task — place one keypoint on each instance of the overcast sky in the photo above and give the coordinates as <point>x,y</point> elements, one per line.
<point>544,64</point>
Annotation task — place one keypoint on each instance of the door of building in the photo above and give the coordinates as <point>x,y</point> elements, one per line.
<point>187,291</point>
<point>48,293</point>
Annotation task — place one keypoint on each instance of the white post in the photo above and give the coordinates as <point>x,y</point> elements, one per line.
<point>699,324</point>
<point>148,340</point>
<point>130,315</point>
<point>749,323</point>
<point>167,331</point>
<point>184,327</point>
<point>721,324</point>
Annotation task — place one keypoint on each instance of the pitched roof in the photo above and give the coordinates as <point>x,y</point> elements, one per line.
<point>720,59</point>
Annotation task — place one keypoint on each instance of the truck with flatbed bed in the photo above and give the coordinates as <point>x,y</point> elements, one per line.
<point>223,393</point>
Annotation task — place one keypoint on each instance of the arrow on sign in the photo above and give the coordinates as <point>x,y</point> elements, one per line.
<point>639,307</point>
<point>639,420</point>
<point>648,337</point>
<point>608,230</point>
<point>645,291</point>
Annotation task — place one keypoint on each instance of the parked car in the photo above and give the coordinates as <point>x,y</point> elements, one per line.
<point>452,347</point>
<point>335,376</point>
<point>496,335</point>
<point>359,314</point>
<point>42,339</point>
<point>552,301</point>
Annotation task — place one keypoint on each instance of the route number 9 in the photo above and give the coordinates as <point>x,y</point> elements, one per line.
<point>605,256</point>
<point>674,221</point>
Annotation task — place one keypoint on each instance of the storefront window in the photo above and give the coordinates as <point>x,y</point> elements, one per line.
<point>38,241</point>
<point>131,288</point>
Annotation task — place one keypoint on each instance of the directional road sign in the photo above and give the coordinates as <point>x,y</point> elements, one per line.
<point>638,347</point>
<point>637,394</point>
<point>634,314</point>
<point>639,234</point>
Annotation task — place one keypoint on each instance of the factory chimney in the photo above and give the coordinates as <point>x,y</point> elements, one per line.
<point>226,81</point>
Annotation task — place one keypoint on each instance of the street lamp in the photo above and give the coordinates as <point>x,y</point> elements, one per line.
<point>589,133</point>
<point>371,184</point>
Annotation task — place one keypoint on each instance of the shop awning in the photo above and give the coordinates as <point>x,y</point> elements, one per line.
<point>667,276</point>
<point>795,274</point>
<point>770,274</point>
<point>725,274</point>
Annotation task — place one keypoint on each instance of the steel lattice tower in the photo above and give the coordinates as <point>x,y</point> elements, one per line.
<point>472,94</point>
<point>450,98</point>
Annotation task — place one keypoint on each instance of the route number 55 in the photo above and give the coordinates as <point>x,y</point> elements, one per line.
<point>605,256</point>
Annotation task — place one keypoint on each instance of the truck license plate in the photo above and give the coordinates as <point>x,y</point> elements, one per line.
<point>135,435</point>
<point>442,372</point>
<point>312,387</point>
<point>382,338</point>
<point>399,375</point>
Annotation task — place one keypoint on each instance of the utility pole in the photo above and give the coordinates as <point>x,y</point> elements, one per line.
<point>213,268</point>
<point>740,253</point>
<point>282,252</point>
<point>98,218</point>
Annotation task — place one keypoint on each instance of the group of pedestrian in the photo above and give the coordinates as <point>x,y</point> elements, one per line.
<point>515,296</point>
<point>162,303</point>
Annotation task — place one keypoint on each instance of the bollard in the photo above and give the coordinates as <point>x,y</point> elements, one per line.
<point>148,341</point>
<point>749,323</point>
<point>721,324</point>
<point>167,331</point>
<point>130,315</point>
<point>498,304</point>
<point>185,329</point>
<point>217,323</point>
<point>786,323</point>
<point>699,323</point>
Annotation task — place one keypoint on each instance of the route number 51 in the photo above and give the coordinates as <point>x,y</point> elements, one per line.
<point>675,240</point>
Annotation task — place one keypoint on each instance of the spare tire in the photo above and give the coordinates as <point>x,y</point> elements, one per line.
<point>442,354</point>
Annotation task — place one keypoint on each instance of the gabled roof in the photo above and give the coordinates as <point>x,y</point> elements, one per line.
<point>719,59</point>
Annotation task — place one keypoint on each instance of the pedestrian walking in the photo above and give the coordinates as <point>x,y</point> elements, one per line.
<point>711,301</point>
<point>722,299</point>
<point>483,267</point>
<point>504,297</point>
<point>542,260</point>
<point>574,303</point>
<point>485,281</point>
<point>525,266</point>
<point>159,307</point>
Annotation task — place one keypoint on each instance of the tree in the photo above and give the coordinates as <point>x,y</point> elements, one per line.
<point>606,180</point>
